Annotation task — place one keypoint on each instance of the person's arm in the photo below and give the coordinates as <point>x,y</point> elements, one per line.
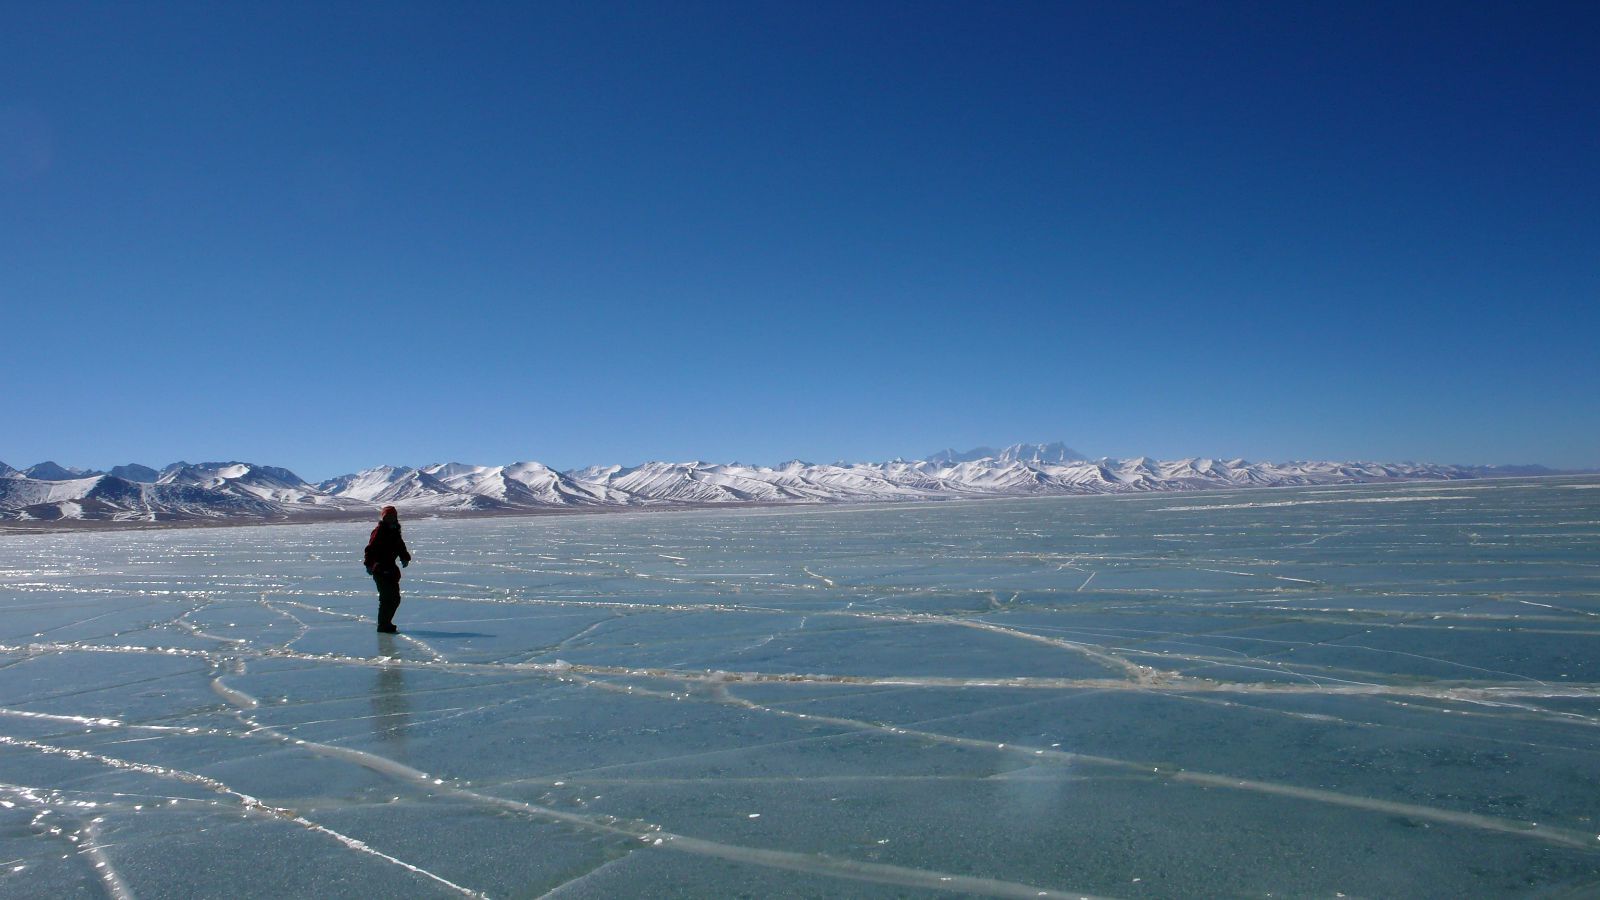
<point>405,555</point>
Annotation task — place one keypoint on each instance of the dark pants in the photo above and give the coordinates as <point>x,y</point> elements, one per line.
<point>388,599</point>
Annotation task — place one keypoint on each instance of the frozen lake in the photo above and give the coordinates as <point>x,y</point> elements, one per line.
<point>1368,691</point>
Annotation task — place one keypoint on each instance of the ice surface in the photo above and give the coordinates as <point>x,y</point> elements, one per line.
<point>1373,691</point>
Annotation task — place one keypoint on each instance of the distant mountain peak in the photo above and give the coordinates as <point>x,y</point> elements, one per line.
<point>50,471</point>
<point>1055,452</point>
<point>136,472</point>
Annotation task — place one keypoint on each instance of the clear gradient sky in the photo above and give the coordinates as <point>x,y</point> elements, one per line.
<point>329,236</point>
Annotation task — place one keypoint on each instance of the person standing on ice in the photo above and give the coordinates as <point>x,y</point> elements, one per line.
<point>382,548</point>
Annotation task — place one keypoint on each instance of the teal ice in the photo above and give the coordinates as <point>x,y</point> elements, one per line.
<point>1368,691</point>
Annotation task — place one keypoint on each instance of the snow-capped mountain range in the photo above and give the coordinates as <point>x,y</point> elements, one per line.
<point>246,491</point>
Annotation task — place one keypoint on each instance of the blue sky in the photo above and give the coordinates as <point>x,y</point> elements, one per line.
<point>329,236</point>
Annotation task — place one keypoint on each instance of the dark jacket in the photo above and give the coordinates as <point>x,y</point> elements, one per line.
<point>382,548</point>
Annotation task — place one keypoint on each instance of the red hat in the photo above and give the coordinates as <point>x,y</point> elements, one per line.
<point>390,512</point>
